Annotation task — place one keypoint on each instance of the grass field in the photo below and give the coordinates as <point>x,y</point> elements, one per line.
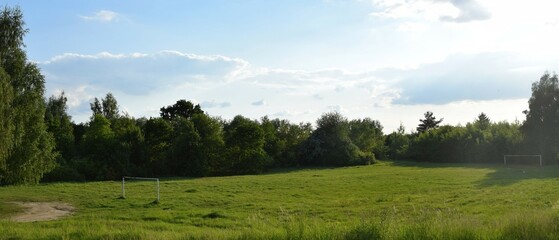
<point>390,200</point>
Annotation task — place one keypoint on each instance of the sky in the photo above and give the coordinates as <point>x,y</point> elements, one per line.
<point>389,60</point>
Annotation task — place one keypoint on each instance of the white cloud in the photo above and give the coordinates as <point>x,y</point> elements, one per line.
<point>384,95</point>
<point>414,9</point>
<point>260,102</point>
<point>214,104</point>
<point>418,11</point>
<point>470,10</point>
<point>78,99</point>
<point>102,16</point>
<point>75,96</point>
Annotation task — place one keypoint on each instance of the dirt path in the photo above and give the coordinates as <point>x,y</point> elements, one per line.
<point>42,211</point>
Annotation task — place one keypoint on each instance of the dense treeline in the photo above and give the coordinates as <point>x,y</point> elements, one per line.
<point>40,141</point>
<point>184,141</point>
<point>479,142</point>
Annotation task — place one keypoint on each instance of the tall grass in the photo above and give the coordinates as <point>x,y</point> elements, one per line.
<point>543,225</point>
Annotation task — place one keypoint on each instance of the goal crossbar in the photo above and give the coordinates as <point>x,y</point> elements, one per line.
<point>523,155</point>
<point>139,178</point>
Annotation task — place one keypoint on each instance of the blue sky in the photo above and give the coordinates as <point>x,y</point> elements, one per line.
<point>390,60</point>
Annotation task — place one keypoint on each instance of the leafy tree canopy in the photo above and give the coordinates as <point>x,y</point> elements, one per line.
<point>542,119</point>
<point>59,123</point>
<point>29,151</point>
<point>331,145</point>
<point>181,108</point>
<point>108,107</point>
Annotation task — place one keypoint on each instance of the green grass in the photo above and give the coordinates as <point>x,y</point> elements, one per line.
<point>397,200</point>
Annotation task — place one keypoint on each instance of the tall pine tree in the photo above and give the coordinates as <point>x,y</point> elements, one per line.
<point>430,122</point>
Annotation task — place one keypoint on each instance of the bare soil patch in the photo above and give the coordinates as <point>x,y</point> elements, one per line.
<point>42,211</point>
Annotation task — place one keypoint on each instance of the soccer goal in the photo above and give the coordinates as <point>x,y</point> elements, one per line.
<point>140,178</point>
<point>522,159</point>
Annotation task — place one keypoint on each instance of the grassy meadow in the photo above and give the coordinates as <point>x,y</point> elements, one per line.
<point>389,200</point>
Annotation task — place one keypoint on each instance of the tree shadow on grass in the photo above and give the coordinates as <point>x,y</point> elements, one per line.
<point>271,171</point>
<point>500,175</point>
<point>274,171</point>
<point>508,175</point>
<point>403,163</point>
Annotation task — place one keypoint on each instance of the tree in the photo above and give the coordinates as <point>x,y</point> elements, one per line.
<point>541,127</point>
<point>507,138</point>
<point>59,123</point>
<point>98,148</point>
<point>444,144</point>
<point>272,144</point>
<point>212,145</point>
<point>129,142</point>
<point>367,135</point>
<point>96,107</point>
<point>29,153</point>
<point>428,123</point>
<point>108,107</point>
<point>283,140</point>
<point>185,153</point>
<point>112,148</point>
<point>397,143</point>
<point>195,148</point>
<point>158,140</point>
<point>6,122</point>
<point>482,122</point>
<point>330,144</point>
<point>182,108</point>
<point>244,141</point>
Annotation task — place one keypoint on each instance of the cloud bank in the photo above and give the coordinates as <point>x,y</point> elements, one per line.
<point>226,86</point>
<point>485,76</point>
<point>139,74</point>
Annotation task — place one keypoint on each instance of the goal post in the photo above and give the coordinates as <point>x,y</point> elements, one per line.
<point>139,178</point>
<point>510,157</point>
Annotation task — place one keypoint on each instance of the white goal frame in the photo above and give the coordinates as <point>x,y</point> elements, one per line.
<point>139,178</point>
<point>505,157</point>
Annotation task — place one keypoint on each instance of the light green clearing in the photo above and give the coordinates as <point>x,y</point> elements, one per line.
<point>397,200</point>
